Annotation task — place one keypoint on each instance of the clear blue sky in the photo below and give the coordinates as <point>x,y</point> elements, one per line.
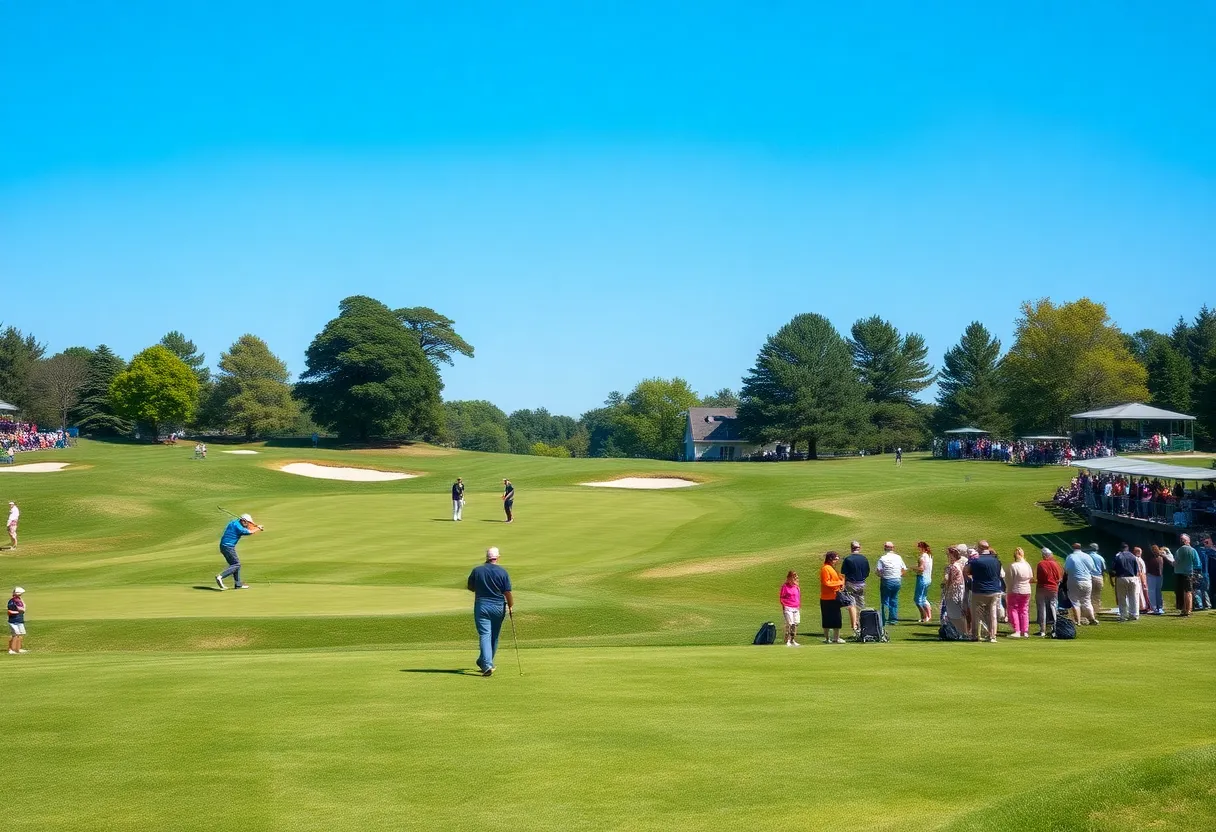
<point>597,197</point>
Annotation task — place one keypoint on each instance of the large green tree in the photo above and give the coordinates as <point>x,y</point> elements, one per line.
<point>804,388</point>
<point>251,391</point>
<point>435,333</point>
<point>969,386</point>
<point>157,389</point>
<point>367,375</point>
<point>94,414</point>
<point>527,427</point>
<point>598,426</point>
<point>722,398</point>
<point>19,353</point>
<point>650,421</point>
<point>476,426</point>
<point>892,369</point>
<point>1196,341</point>
<point>1065,359</point>
<point>185,349</point>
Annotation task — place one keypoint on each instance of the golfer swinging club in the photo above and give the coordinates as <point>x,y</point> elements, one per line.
<point>233,533</point>
<point>491,588</point>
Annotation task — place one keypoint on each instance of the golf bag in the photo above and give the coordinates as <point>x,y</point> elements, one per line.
<point>871,627</point>
<point>1064,628</point>
<point>948,632</point>
<point>767,634</point>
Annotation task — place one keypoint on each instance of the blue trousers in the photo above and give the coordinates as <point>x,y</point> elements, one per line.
<point>1154,593</point>
<point>488,614</point>
<point>888,592</point>
<point>922,591</point>
<point>234,563</point>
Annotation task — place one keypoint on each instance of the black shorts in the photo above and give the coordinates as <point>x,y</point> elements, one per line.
<point>829,611</point>
<point>1183,584</point>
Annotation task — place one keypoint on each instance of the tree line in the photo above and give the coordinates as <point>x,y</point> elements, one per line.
<point>374,372</point>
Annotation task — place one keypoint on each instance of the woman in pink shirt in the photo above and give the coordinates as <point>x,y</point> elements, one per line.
<point>791,606</point>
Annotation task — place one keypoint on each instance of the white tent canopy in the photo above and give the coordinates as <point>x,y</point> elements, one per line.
<point>1145,468</point>
<point>1134,412</point>
<point>5,407</point>
<point>958,431</point>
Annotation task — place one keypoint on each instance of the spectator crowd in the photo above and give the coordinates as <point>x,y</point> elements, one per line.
<point>979,591</point>
<point>25,436</point>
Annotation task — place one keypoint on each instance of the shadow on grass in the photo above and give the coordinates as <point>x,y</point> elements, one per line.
<point>453,672</point>
<point>208,588</point>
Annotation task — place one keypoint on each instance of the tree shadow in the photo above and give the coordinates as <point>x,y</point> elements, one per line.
<point>454,671</point>
<point>208,588</point>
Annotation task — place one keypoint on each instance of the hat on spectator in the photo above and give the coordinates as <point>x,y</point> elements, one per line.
<point>492,553</point>
<point>18,590</point>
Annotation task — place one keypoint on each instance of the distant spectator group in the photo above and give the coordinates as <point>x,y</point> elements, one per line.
<point>25,436</point>
<point>979,592</point>
<point>1141,497</point>
<point>1019,452</point>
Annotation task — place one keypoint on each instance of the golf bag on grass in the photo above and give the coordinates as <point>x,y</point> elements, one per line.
<point>871,627</point>
<point>767,634</point>
<point>1065,629</point>
<point>948,632</point>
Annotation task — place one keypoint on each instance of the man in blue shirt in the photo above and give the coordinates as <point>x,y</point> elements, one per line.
<point>233,533</point>
<point>492,601</point>
<point>1186,569</point>
<point>1079,568</point>
<point>508,499</point>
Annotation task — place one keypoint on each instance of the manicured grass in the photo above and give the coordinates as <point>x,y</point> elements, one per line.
<point>333,694</point>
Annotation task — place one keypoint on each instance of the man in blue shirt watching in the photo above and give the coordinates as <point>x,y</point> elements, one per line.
<point>233,533</point>
<point>1186,570</point>
<point>492,602</point>
<point>1079,567</point>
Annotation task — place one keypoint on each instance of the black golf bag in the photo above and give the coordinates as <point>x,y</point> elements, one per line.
<point>767,634</point>
<point>1065,629</point>
<point>871,627</point>
<point>948,632</point>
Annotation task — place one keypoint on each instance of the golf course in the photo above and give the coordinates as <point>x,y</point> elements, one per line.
<point>339,691</point>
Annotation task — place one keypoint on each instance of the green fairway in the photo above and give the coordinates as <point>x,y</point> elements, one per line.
<point>338,692</point>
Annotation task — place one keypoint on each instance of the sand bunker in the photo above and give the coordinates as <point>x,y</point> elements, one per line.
<point>240,452</point>
<point>322,472</point>
<point>33,468</point>
<point>642,482</point>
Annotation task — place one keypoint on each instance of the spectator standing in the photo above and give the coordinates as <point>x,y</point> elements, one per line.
<point>1079,567</point>
<point>856,569</point>
<point>924,574</point>
<point>1126,574</point>
<point>790,597</point>
<point>458,500</point>
<point>1018,594</point>
<point>1209,556</point>
<point>16,622</point>
<point>1154,564</point>
<point>891,569</point>
<point>1201,580</point>
<point>508,500</point>
<point>830,582</point>
<point>14,514</point>
<point>1047,577</point>
<point>954,589</point>
<point>985,572</point>
<point>1096,578</point>
<point>492,602</point>
<point>1186,563</point>
<point>1143,576</point>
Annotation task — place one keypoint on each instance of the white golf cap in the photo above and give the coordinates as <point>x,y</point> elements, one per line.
<point>247,518</point>
<point>888,545</point>
<point>18,590</point>
<point>492,553</point>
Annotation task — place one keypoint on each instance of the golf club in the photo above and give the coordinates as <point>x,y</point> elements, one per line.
<point>237,516</point>
<point>515,639</point>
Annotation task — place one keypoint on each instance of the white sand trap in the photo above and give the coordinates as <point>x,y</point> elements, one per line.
<point>642,482</point>
<point>239,452</point>
<point>33,468</point>
<point>322,472</point>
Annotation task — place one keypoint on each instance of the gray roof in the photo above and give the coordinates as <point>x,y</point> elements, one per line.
<point>5,407</point>
<point>1133,410</point>
<point>1145,468</point>
<point>965,430</point>
<point>714,424</point>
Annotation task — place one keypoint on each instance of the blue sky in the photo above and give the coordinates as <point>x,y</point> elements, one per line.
<point>595,194</point>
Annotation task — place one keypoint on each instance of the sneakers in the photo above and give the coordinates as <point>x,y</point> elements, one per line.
<point>1042,635</point>
<point>241,586</point>
<point>795,644</point>
<point>840,641</point>
<point>12,652</point>
<point>489,671</point>
<point>23,650</point>
<point>220,582</point>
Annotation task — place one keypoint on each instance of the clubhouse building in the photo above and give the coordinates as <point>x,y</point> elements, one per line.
<point>712,434</point>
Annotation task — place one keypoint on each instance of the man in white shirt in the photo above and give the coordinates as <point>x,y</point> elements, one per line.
<point>891,570</point>
<point>14,514</point>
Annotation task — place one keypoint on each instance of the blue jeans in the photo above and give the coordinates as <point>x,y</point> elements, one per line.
<point>1201,592</point>
<point>922,592</point>
<point>488,614</point>
<point>234,564</point>
<point>888,592</point>
<point>1155,601</point>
